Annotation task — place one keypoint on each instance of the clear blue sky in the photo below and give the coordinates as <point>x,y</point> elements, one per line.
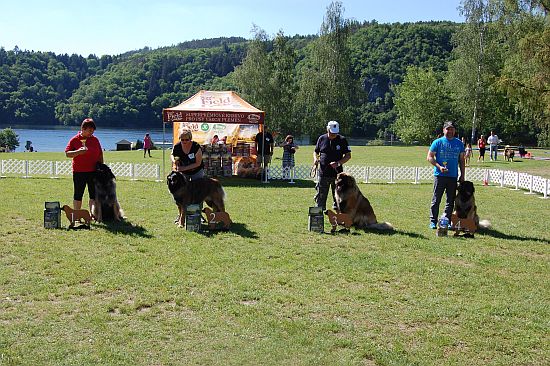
<point>116,26</point>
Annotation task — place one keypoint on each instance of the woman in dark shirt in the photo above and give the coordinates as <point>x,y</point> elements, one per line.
<point>187,156</point>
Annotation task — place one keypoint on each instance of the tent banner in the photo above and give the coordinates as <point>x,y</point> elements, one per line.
<point>212,117</point>
<point>204,132</point>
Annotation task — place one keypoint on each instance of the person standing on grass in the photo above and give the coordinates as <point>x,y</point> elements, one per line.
<point>467,153</point>
<point>332,151</point>
<point>481,144</point>
<point>147,144</point>
<point>85,150</point>
<point>289,149</point>
<point>264,143</point>
<point>446,154</point>
<point>493,146</point>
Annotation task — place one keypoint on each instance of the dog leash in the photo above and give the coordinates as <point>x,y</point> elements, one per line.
<point>313,170</point>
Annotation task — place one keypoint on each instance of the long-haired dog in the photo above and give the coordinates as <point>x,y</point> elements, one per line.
<point>74,216</point>
<point>351,201</point>
<point>465,209</point>
<point>214,218</point>
<point>106,206</point>
<point>186,192</point>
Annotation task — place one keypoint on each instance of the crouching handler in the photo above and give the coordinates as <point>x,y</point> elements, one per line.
<point>189,185</point>
<point>187,157</point>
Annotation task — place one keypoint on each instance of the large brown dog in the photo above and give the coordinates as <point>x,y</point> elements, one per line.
<point>106,206</point>
<point>351,201</point>
<point>465,202</point>
<point>466,210</point>
<point>186,193</point>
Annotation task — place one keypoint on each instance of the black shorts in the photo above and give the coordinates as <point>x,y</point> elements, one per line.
<point>481,151</point>
<point>80,180</point>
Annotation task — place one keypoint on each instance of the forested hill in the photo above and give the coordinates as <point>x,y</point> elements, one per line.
<point>42,88</point>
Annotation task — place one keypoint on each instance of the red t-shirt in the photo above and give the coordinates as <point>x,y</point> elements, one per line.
<point>85,162</point>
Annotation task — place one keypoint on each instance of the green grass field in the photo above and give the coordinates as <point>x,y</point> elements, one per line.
<point>268,292</point>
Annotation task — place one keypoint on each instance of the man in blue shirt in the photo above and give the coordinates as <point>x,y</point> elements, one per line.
<point>446,154</point>
<point>331,152</point>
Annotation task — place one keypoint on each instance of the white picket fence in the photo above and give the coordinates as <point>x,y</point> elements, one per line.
<point>56,169</point>
<point>366,174</point>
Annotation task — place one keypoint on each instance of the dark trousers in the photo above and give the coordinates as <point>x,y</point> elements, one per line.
<point>443,184</point>
<point>322,188</point>
<point>80,181</point>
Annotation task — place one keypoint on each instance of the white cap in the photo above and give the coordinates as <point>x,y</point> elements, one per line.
<point>333,127</point>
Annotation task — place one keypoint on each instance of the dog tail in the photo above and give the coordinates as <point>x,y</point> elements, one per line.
<point>381,226</point>
<point>484,224</point>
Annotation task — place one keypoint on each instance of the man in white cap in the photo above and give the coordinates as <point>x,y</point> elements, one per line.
<point>332,151</point>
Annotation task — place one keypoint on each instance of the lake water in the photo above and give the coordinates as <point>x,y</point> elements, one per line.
<point>55,139</point>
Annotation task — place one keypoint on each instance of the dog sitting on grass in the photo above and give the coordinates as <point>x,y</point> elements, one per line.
<point>509,153</point>
<point>75,216</point>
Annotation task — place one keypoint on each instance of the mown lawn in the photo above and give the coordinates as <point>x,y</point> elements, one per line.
<point>269,292</point>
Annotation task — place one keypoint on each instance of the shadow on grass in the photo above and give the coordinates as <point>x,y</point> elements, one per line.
<point>243,182</point>
<point>125,227</point>
<point>236,228</point>
<point>379,232</point>
<point>500,235</point>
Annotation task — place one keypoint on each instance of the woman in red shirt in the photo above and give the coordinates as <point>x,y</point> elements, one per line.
<point>481,144</point>
<point>85,150</point>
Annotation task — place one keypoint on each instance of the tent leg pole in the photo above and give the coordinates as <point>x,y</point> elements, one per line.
<point>163,149</point>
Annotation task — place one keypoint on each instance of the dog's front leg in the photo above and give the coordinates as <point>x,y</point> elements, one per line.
<point>181,217</point>
<point>98,213</point>
<point>341,206</point>
<point>116,211</point>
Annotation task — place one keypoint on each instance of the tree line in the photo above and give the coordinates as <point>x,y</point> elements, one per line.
<point>376,79</point>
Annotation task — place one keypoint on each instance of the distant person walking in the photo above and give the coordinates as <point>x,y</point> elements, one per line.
<point>493,145</point>
<point>147,144</point>
<point>481,145</point>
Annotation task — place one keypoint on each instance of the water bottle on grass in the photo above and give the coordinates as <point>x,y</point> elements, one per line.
<point>443,226</point>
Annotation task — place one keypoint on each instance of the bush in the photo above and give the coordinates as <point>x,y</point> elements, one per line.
<point>9,139</point>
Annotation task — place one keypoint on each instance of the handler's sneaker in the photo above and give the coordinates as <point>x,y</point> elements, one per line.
<point>433,225</point>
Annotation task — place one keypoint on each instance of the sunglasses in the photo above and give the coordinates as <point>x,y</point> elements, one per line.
<point>185,140</point>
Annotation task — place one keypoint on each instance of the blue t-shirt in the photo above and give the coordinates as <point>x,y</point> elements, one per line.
<point>446,154</point>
